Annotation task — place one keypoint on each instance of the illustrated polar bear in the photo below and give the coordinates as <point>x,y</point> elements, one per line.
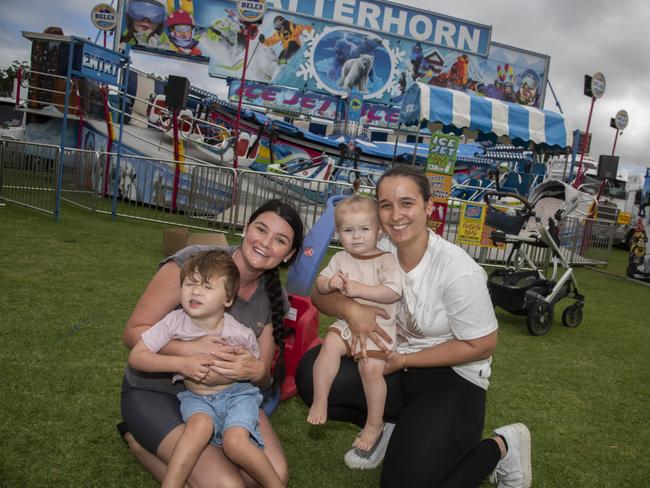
<point>355,73</point>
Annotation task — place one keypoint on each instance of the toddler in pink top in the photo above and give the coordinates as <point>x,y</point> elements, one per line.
<point>224,412</point>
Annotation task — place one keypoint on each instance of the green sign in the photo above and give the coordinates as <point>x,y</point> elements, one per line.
<point>442,153</point>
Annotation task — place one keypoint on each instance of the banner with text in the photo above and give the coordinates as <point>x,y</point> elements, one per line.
<point>376,47</point>
<point>441,161</point>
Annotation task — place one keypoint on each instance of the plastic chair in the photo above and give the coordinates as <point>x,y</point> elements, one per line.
<point>302,324</point>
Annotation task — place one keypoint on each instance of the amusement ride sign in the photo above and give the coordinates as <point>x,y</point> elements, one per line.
<point>104,17</point>
<point>598,85</point>
<point>251,11</point>
<point>621,120</point>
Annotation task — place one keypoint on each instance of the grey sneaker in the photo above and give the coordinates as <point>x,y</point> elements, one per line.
<point>357,459</point>
<point>514,470</point>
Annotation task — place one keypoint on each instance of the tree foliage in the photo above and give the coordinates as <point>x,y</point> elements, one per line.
<point>7,76</point>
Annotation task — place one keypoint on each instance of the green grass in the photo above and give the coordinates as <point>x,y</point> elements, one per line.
<point>68,288</point>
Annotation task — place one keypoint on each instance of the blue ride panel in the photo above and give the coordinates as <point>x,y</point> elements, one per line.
<point>304,271</point>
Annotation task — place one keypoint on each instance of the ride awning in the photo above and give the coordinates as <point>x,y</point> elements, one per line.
<point>489,116</point>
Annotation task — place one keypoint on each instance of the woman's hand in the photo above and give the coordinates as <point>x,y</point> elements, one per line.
<point>207,344</point>
<point>237,364</point>
<point>362,320</point>
<point>394,362</point>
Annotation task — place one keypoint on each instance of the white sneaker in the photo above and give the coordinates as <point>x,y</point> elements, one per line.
<point>358,459</point>
<point>514,470</point>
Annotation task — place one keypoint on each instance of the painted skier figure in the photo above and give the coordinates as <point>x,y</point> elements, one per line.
<point>459,72</point>
<point>180,26</point>
<point>145,20</point>
<point>417,56</point>
<point>527,91</point>
<point>288,33</point>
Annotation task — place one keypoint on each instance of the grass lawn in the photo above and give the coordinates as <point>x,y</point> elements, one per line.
<point>68,288</point>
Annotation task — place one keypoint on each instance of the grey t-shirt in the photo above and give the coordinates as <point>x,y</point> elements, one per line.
<point>254,313</point>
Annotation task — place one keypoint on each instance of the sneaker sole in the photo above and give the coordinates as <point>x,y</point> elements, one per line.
<point>354,461</point>
<point>524,456</point>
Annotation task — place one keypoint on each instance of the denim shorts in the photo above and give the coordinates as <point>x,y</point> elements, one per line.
<point>236,406</point>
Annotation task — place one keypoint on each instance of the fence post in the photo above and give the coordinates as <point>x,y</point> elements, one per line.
<point>59,184</point>
<point>116,180</point>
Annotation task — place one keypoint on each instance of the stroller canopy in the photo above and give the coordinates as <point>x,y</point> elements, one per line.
<point>489,116</point>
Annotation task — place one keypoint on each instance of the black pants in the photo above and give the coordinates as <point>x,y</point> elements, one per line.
<point>439,423</point>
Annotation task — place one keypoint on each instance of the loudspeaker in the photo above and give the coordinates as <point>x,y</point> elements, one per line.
<point>176,91</point>
<point>607,167</point>
<point>587,88</point>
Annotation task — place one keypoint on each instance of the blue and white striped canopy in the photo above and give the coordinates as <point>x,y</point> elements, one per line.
<point>487,115</point>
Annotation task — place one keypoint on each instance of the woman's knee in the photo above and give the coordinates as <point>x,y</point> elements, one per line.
<point>273,449</point>
<point>204,479</point>
<point>215,470</point>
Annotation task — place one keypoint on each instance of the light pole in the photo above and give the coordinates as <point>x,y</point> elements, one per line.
<point>595,88</point>
<point>250,13</point>
<point>250,32</point>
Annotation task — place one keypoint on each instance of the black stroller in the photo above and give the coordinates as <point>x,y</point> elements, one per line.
<point>527,291</point>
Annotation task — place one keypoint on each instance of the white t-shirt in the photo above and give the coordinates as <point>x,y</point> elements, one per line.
<point>445,297</point>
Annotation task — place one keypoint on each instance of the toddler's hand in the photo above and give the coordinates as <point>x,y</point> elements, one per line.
<point>337,282</point>
<point>196,368</point>
<point>351,288</point>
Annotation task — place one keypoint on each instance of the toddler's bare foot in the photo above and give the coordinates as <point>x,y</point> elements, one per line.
<point>317,413</point>
<point>368,437</point>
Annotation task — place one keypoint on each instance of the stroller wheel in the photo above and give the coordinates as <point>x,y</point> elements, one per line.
<point>572,315</point>
<point>539,318</point>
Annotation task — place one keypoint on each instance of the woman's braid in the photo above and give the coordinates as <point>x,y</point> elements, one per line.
<point>274,292</point>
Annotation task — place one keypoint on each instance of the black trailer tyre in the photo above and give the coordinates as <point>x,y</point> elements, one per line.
<point>572,315</point>
<point>539,318</point>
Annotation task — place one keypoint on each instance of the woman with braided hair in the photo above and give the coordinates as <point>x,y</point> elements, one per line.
<point>152,419</point>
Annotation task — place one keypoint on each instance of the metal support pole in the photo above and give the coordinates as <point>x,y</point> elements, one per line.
<point>59,180</point>
<point>417,138</point>
<point>19,79</point>
<point>574,153</point>
<point>177,171</point>
<point>109,142</point>
<point>580,175</point>
<point>250,32</point>
<point>615,139</point>
<point>399,127</point>
<point>118,161</point>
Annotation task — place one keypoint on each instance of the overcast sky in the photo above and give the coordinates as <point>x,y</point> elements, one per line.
<point>581,37</point>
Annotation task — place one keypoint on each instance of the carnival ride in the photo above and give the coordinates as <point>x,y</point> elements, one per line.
<point>206,130</point>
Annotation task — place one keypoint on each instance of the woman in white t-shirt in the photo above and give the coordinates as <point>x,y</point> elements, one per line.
<point>437,377</point>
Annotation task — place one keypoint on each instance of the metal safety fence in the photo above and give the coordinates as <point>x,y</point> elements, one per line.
<point>204,196</point>
<point>29,174</point>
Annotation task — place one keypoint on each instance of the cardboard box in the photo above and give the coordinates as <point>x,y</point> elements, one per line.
<point>180,237</point>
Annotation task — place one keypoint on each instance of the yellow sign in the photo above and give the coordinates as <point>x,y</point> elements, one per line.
<point>470,227</point>
<point>623,218</point>
<point>440,186</point>
<point>472,230</point>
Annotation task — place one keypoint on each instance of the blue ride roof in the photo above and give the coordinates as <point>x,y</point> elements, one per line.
<point>459,110</point>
